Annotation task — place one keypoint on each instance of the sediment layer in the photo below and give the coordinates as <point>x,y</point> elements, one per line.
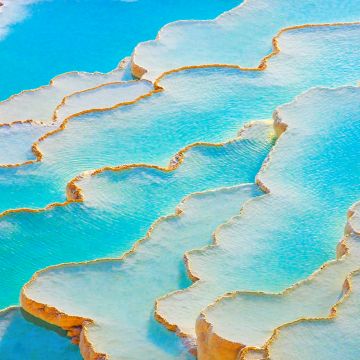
<point>239,36</point>
<point>184,91</point>
<point>75,194</point>
<point>117,210</point>
<point>262,315</point>
<point>131,281</point>
<point>297,185</point>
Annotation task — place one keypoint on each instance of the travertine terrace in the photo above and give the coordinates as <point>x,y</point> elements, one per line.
<point>192,201</point>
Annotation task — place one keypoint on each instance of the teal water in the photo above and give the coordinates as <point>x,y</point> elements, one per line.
<point>213,103</point>
<point>196,105</point>
<point>241,37</point>
<point>119,208</point>
<point>140,278</point>
<point>88,35</point>
<point>313,175</point>
<point>25,337</point>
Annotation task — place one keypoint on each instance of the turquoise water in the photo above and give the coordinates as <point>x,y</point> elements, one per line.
<point>119,207</point>
<point>241,37</point>
<point>214,103</point>
<point>25,337</point>
<point>313,178</point>
<point>196,105</point>
<point>139,279</point>
<point>298,339</point>
<point>278,239</point>
<point>89,35</point>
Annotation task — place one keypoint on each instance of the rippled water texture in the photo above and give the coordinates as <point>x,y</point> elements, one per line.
<point>283,225</point>
<point>105,32</point>
<point>119,179</point>
<point>137,280</point>
<point>119,207</point>
<point>241,36</point>
<point>161,122</point>
<point>196,105</point>
<point>300,238</point>
<point>284,236</point>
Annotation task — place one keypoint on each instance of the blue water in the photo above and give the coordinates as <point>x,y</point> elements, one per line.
<point>195,105</point>
<point>118,210</point>
<point>94,140</point>
<point>89,35</point>
<point>20,335</point>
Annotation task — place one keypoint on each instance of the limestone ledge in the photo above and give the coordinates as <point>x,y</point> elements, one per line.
<point>35,146</point>
<point>157,88</point>
<point>211,345</point>
<point>352,227</point>
<point>15,100</point>
<point>73,323</point>
<point>76,326</point>
<point>140,71</point>
<point>54,118</point>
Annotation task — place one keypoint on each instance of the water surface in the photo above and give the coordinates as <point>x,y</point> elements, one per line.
<point>88,35</point>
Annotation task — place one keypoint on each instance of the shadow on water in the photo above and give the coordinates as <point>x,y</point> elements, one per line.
<point>25,337</point>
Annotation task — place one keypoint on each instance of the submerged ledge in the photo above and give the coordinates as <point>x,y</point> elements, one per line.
<point>51,314</point>
<point>234,39</point>
<point>78,327</point>
<point>281,126</point>
<point>47,97</point>
<point>76,196</point>
<point>100,208</point>
<point>249,89</point>
<point>39,155</point>
<point>178,310</point>
<point>328,275</point>
<point>31,170</point>
<point>14,138</point>
<point>68,322</point>
<point>74,193</point>
<point>352,232</point>
<point>157,87</point>
<point>344,325</point>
